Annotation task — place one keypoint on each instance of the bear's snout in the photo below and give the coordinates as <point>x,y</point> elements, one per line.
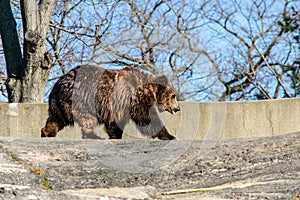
<point>174,110</point>
<point>177,109</point>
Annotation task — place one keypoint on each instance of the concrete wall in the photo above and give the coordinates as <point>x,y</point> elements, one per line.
<point>206,120</point>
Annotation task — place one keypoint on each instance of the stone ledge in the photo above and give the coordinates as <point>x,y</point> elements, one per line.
<point>256,168</point>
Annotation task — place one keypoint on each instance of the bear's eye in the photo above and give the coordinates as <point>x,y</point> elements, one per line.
<point>173,96</point>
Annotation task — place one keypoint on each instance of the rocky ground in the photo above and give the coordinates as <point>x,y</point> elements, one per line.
<point>261,168</point>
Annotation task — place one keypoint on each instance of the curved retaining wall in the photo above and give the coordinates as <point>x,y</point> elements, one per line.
<point>204,120</point>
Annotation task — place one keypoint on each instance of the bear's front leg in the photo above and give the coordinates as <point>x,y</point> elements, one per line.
<point>163,134</point>
<point>114,130</point>
<point>149,124</point>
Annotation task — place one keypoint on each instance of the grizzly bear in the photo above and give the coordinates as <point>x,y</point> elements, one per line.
<point>90,95</point>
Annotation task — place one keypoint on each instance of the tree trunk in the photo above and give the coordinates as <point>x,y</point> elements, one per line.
<point>12,51</point>
<point>37,60</point>
<point>27,75</point>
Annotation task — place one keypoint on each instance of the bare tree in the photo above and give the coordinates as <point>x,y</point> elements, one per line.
<point>143,34</point>
<point>251,63</point>
<point>211,50</point>
<point>28,68</point>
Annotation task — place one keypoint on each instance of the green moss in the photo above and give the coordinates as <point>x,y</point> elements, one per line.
<point>296,197</point>
<point>177,192</point>
<point>46,184</point>
<point>40,171</point>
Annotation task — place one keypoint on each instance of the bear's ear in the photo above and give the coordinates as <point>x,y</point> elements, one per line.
<point>161,80</point>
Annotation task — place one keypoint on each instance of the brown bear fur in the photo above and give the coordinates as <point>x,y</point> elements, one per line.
<point>90,95</point>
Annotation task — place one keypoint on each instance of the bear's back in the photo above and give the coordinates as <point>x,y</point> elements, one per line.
<point>114,92</point>
<point>97,91</point>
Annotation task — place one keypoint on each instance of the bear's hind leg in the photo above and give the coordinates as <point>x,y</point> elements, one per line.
<point>88,124</point>
<point>89,133</point>
<point>114,130</point>
<point>51,128</point>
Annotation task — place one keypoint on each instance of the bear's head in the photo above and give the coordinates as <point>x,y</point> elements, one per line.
<point>166,97</point>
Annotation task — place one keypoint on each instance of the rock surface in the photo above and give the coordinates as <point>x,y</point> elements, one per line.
<point>259,168</point>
